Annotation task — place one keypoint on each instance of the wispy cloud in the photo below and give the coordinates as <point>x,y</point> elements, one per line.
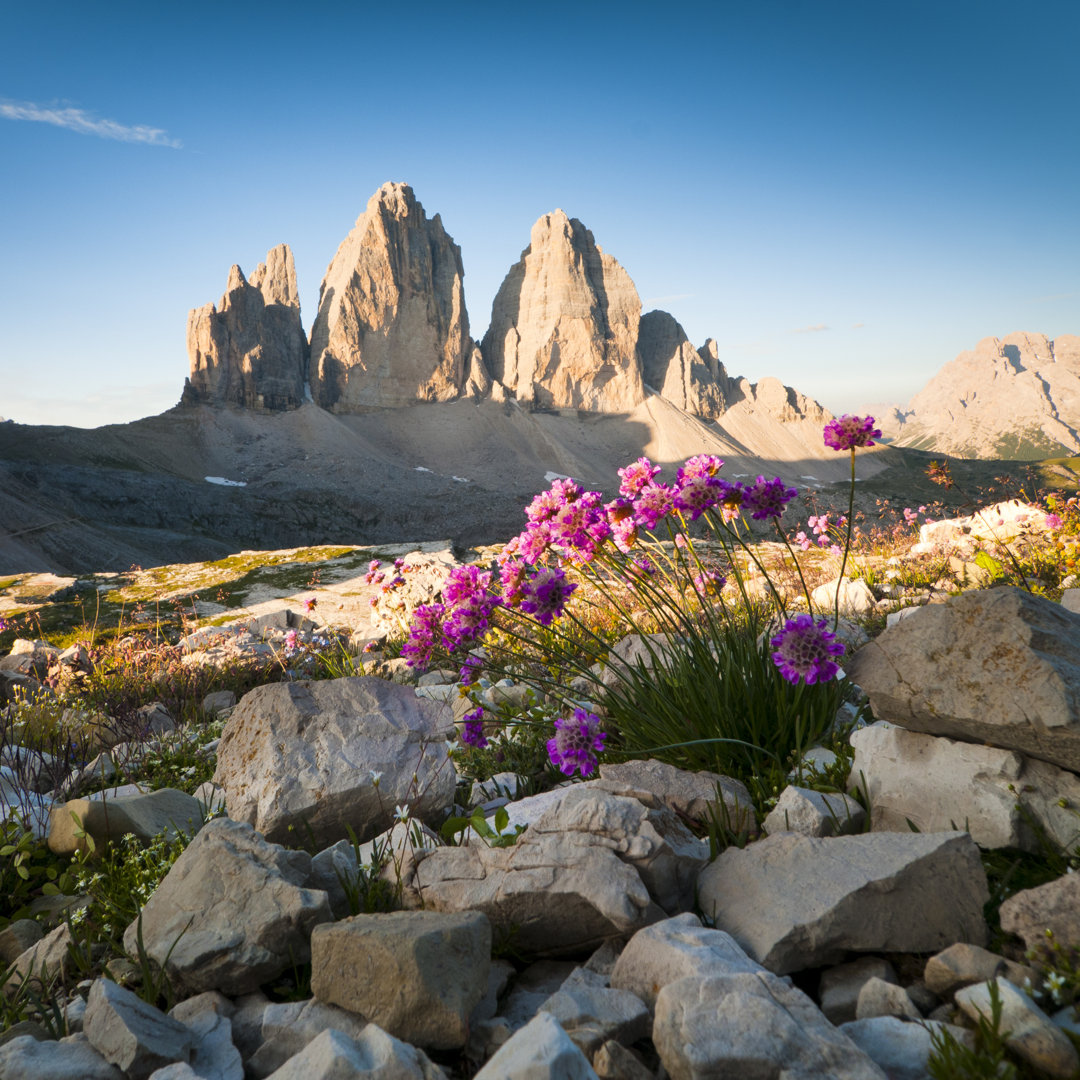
<point>815,329</point>
<point>857,325</point>
<point>86,123</point>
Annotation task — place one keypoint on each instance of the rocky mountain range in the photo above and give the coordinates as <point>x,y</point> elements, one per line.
<point>1016,397</point>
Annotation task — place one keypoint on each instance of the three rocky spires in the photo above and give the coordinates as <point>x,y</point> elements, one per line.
<point>392,329</point>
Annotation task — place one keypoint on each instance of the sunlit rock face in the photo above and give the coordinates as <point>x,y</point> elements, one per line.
<point>564,324</point>
<point>391,327</point>
<point>250,350</point>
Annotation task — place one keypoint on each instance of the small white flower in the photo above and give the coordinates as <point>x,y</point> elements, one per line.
<point>376,776</point>
<point>401,813</point>
<point>452,745</point>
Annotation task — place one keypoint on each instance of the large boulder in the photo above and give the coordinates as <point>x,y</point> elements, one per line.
<point>297,759</point>
<point>1054,906</point>
<point>391,327</point>
<point>938,784</point>
<point>250,350</point>
<point>144,814</point>
<point>795,902</point>
<point>231,913</point>
<point>1000,666</point>
<point>564,324</point>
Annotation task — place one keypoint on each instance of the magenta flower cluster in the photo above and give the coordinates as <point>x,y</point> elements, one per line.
<point>848,432</point>
<point>577,743</point>
<point>472,729</point>
<point>766,498</point>
<point>805,650</point>
<point>545,593</point>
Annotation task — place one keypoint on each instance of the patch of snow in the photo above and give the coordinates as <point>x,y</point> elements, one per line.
<point>420,468</point>
<point>307,392</point>
<point>807,477</point>
<point>460,479</point>
<point>222,482</point>
<point>549,476</point>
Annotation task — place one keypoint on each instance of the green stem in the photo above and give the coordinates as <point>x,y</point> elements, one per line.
<point>847,542</point>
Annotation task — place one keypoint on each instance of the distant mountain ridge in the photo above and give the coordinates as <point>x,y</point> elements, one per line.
<point>1017,397</point>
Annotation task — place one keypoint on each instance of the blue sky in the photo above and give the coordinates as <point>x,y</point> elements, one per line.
<point>844,195</point>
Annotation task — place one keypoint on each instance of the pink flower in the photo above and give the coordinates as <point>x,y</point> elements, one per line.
<point>849,431</point>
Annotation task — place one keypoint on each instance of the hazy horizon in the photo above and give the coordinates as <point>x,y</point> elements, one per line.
<point>844,196</point>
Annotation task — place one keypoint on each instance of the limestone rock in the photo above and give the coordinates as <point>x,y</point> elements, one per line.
<point>145,815</point>
<point>229,869</point>
<point>840,986</point>
<point>674,949</point>
<point>901,1048</point>
<point>997,666</point>
<point>288,1028</point>
<point>541,1050</point>
<point>48,959</point>
<point>814,813</point>
<point>1054,906</point>
<point>250,350</point>
<point>25,1058</point>
<point>374,1054</point>
<point>564,324</point>
<point>879,997</point>
<point>1010,398</point>
<point>1032,1035</point>
<point>555,894</point>
<point>417,974</point>
<point>794,902</point>
<point>391,327</point>
<point>591,1015</point>
<point>939,784</point>
<point>675,369</point>
<point>300,756</point>
<point>750,1024</point>
<point>855,597</point>
<point>127,1031</point>
<point>960,965</point>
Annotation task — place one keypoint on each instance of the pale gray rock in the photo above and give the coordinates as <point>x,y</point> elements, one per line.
<point>392,328</point>
<point>877,997</point>
<point>814,813</point>
<point>754,1024</point>
<point>676,370</point>
<point>613,1061</point>
<point>695,795</point>
<point>855,597</point>
<point>250,350</point>
<point>1013,397</point>
<point>938,784</point>
<point>554,893</point>
<point>214,1055</point>
<point>961,965</point>
<point>299,756</point>
<point>840,986</point>
<point>219,701</point>
<point>530,989</point>
<point>541,1050</point>
<point>674,949</point>
<point>145,815</point>
<point>374,1054</point>
<point>1032,1035</point>
<point>901,1048</point>
<point>131,1034</point>
<point>929,673</point>
<point>653,841</point>
<point>17,937</point>
<point>45,961</point>
<point>591,1015</point>
<point>564,324</point>
<point>794,902</point>
<point>25,1058</point>
<point>417,974</point>
<point>1054,906</point>
<point>229,868</point>
<point>289,1027</point>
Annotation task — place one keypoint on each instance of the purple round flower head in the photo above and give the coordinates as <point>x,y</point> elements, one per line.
<point>694,494</point>
<point>577,742</point>
<point>579,527</point>
<point>531,544</point>
<point>548,503</point>
<point>544,595</point>
<point>637,476</point>
<point>700,467</point>
<point>710,583</point>
<point>472,730</point>
<point>653,503</point>
<point>425,630</point>
<point>731,500</point>
<point>805,650</point>
<point>512,573</point>
<point>767,498</point>
<point>624,528</point>
<point>849,431</point>
<point>1052,522</point>
<point>469,669</point>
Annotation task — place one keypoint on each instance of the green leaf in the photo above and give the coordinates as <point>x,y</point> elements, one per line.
<point>502,819</point>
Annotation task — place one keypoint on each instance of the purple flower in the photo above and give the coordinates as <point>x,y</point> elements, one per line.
<point>469,601</point>
<point>637,476</point>
<point>290,641</point>
<point>1052,522</point>
<point>805,650</point>
<point>425,631</point>
<point>548,503</point>
<point>577,742</point>
<point>767,498</point>
<point>731,501</point>
<point>694,494</point>
<point>472,730</point>
<point>849,431</point>
<point>544,595</point>
<point>579,527</point>
<point>709,583</point>
<point>469,669</point>
<point>512,573</point>
<point>310,602</point>
<point>700,467</point>
<point>652,503</point>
